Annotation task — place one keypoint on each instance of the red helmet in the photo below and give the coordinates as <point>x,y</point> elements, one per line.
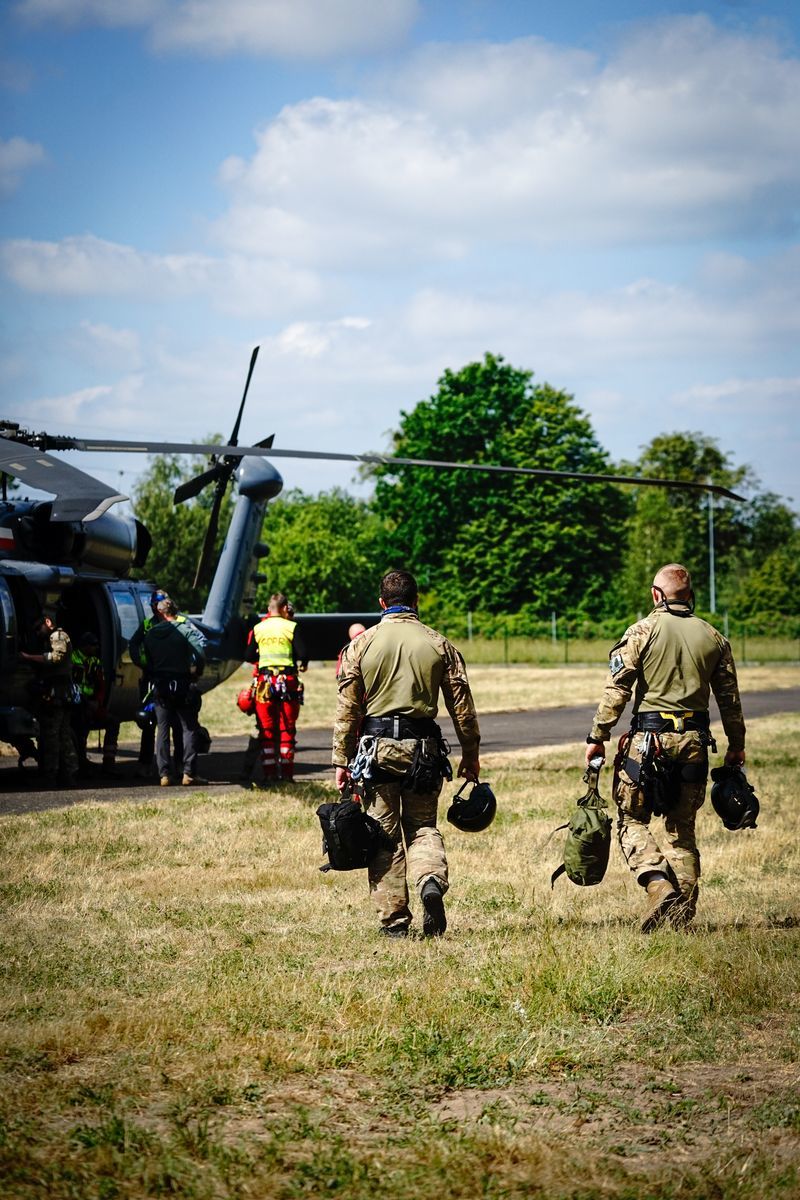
<point>247,701</point>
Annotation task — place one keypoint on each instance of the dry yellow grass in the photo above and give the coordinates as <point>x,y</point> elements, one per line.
<point>190,1008</point>
<point>496,689</point>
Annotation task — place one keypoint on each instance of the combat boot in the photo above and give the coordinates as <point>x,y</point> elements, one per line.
<point>394,931</point>
<point>683,913</point>
<point>434,921</point>
<point>663,897</point>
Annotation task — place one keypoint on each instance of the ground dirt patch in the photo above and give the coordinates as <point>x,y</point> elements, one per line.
<point>653,1116</point>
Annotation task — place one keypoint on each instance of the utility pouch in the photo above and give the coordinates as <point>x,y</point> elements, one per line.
<point>421,763</point>
<point>660,781</point>
<point>657,776</point>
<point>431,765</point>
<point>394,759</point>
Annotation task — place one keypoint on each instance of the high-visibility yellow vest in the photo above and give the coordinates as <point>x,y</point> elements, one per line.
<point>274,637</point>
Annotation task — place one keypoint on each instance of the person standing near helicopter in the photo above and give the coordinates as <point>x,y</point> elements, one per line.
<point>58,760</point>
<point>147,742</point>
<point>174,653</point>
<point>276,645</point>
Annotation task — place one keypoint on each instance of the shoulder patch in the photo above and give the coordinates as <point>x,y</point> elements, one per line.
<point>615,663</point>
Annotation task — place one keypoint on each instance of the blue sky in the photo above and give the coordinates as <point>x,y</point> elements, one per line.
<point>604,194</point>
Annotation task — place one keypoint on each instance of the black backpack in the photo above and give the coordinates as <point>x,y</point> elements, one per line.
<point>350,837</point>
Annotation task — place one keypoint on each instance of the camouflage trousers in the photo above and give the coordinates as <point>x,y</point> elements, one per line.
<point>409,818</point>
<point>58,758</point>
<point>680,858</point>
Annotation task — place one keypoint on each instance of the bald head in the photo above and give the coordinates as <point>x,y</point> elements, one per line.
<point>355,629</point>
<point>674,581</point>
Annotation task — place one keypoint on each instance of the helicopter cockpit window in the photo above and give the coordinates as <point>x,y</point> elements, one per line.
<point>127,611</point>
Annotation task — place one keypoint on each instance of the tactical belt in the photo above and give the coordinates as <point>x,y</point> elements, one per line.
<point>399,727</point>
<point>672,722</point>
<point>277,670</point>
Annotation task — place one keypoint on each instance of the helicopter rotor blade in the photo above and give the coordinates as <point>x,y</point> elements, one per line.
<point>264,449</point>
<point>235,435</point>
<point>388,460</point>
<point>220,470</point>
<point>193,487</point>
<point>207,552</point>
<point>78,496</point>
<point>211,449</point>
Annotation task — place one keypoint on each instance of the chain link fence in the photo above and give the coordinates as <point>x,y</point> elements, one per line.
<point>512,638</point>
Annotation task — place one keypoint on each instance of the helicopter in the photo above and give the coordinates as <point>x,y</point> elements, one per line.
<point>71,558</point>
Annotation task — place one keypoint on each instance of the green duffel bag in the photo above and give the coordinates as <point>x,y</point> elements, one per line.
<point>588,841</point>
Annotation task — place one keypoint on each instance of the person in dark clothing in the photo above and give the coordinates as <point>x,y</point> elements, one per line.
<point>147,742</point>
<point>174,653</point>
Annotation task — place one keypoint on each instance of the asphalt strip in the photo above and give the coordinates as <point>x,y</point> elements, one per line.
<point>500,733</point>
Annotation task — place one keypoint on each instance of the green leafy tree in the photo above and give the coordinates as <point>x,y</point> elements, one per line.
<point>494,542</point>
<point>325,552</point>
<point>673,526</point>
<point>177,530</point>
<point>772,590</point>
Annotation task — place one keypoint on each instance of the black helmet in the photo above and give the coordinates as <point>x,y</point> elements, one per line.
<point>473,812</point>
<point>146,716</point>
<point>734,798</point>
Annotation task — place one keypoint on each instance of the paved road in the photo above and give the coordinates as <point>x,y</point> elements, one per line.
<point>499,732</point>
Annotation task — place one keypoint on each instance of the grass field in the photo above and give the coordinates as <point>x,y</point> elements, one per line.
<point>496,689</point>
<point>747,649</point>
<point>190,1009</point>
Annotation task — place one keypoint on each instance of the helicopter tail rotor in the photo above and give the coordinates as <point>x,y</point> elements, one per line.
<point>207,551</point>
<point>220,472</point>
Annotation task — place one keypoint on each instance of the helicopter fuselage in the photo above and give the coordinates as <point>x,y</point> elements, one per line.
<point>78,573</point>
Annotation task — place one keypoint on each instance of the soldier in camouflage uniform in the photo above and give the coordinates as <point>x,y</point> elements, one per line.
<point>390,678</point>
<point>58,759</point>
<point>669,661</point>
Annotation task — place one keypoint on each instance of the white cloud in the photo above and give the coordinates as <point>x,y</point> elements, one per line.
<point>72,408</point>
<point>87,265</point>
<point>108,13</point>
<point>688,132</point>
<point>310,339</point>
<point>110,346</point>
<point>17,155</point>
<point>771,442</point>
<point>302,29</point>
<point>294,29</point>
<point>645,320</point>
<point>90,266</point>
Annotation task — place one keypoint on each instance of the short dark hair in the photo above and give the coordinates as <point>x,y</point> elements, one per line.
<point>167,608</point>
<point>399,587</point>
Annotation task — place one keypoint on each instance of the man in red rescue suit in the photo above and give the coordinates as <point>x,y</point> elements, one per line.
<point>276,645</point>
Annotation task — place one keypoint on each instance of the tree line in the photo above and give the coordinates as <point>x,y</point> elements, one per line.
<point>513,548</point>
